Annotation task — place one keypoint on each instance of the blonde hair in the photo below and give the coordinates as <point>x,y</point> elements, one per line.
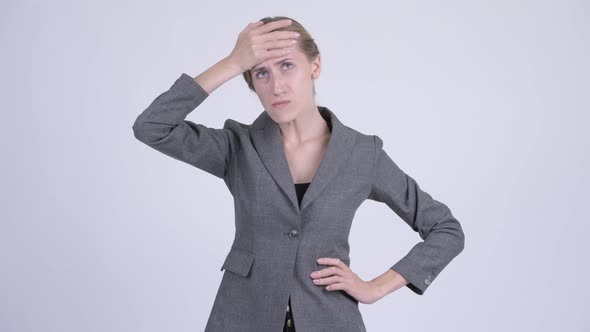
<point>305,43</point>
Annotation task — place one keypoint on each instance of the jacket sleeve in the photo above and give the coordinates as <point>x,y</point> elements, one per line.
<point>442,234</point>
<point>163,127</point>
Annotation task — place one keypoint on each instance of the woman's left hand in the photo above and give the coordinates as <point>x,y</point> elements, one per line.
<point>340,277</point>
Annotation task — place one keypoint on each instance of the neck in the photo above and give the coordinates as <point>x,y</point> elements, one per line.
<point>308,125</point>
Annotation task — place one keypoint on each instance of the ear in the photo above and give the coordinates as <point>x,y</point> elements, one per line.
<point>316,66</point>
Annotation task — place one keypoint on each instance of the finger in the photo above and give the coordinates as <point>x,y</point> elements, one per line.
<point>252,25</point>
<point>328,280</point>
<point>331,261</point>
<point>257,24</point>
<point>279,35</point>
<point>272,26</point>
<point>335,286</point>
<point>275,44</point>
<point>332,270</point>
<point>277,53</point>
<point>336,263</point>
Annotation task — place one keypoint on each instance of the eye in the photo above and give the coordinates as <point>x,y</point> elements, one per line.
<point>258,73</point>
<point>288,64</point>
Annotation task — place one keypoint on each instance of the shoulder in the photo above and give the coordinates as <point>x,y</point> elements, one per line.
<point>365,140</point>
<point>236,126</point>
<point>239,129</point>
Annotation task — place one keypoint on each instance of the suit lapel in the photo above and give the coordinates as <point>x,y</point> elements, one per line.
<point>266,138</point>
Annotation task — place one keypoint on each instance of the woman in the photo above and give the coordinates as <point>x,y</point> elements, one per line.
<point>297,175</point>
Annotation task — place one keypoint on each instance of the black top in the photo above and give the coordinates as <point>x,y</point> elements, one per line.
<point>300,188</point>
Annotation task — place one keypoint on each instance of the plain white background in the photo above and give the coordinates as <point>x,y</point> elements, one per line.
<point>484,103</point>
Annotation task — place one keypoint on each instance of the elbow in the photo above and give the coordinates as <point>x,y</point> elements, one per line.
<point>460,243</point>
<point>454,236</point>
<point>452,232</point>
<point>149,132</point>
<point>139,129</point>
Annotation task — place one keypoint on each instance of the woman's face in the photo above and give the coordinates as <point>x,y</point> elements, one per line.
<point>286,78</point>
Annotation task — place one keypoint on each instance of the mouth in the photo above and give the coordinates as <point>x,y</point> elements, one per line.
<point>281,103</point>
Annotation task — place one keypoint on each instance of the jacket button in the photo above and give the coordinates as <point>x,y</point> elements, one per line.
<point>427,281</point>
<point>293,234</point>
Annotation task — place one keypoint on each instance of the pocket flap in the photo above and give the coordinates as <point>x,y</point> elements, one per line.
<point>238,261</point>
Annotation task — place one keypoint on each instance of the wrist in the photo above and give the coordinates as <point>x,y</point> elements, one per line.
<point>388,282</point>
<point>232,65</point>
<point>378,289</point>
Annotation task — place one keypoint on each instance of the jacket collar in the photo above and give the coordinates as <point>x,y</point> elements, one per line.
<point>265,134</point>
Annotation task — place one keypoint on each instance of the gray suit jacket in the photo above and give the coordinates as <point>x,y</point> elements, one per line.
<point>277,241</point>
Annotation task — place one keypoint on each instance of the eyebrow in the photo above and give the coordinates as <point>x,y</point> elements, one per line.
<point>276,63</point>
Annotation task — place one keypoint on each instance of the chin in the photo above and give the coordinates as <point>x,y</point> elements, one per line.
<point>282,116</point>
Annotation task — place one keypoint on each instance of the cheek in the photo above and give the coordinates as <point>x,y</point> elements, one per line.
<point>302,83</point>
<point>260,88</point>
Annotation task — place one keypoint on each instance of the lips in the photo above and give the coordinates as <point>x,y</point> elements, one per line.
<point>281,102</point>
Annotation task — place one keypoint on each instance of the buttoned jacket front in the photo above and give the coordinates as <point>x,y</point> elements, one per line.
<point>278,241</point>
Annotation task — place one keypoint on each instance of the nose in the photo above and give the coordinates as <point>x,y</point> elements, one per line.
<point>278,85</point>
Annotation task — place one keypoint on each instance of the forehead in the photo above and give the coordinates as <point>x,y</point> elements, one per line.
<point>295,55</point>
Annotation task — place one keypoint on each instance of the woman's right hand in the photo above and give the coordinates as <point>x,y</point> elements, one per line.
<point>257,44</point>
